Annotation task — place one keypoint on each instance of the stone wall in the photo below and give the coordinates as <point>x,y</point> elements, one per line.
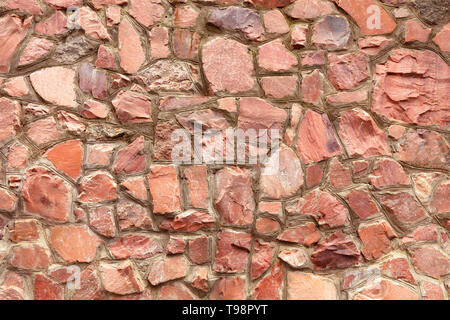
<point>354,204</point>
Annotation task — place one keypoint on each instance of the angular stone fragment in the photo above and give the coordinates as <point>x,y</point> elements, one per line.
<point>185,17</point>
<point>24,230</point>
<point>99,4</point>
<point>232,250</point>
<point>312,87</point>
<point>90,286</point>
<point>306,234</point>
<point>46,289</point>
<point>267,226</point>
<point>9,118</point>
<point>165,189</point>
<point>279,87</point>
<point>388,173</point>
<point>376,240</point>
<point>229,288</point>
<point>101,219</point>
<point>398,268</point>
<point>46,194</point>
<point>257,114</point>
<point>30,6</point>
<point>335,252</point>
<point>432,11</point>
<point>134,246</point>
<point>175,291</point>
<point>234,196</point>
<point>314,58</point>
<point>440,202</point>
<point>13,32</point>
<point>270,287</point>
<point>269,4</point>
<point>74,243</point>
<point>403,207</point>
<point>431,262</point>
<point>412,87</point>
<point>294,257</point>
<point>208,119</point>
<point>274,56</point>
<point>275,22</point>
<point>131,215</point>
<point>67,157</point>
<point>43,131</point>
<point>188,221</point>
<point>185,44</point>
<point>132,107</point>
<point>306,286</point>
<point>385,290</point>
<point>36,49</point>
<point>56,24</point>
<point>199,250</point>
<point>431,291</point>
<point>176,245</point>
<point>244,20</point>
<point>131,159</point>
<point>167,269</point>
<point>12,287</point>
<point>97,187</point>
<point>72,49</point>
<point>347,71</point>
<point>159,42</point>
<point>91,24</point>
<point>442,39</point>
<point>360,134</point>
<point>370,17</point>
<point>105,58</point>
<point>99,155</point>
<point>361,203</point>
<point>314,175</point>
<point>29,257</point>
<point>331,33</point>
<point>131,51</point>
<point>147,12</point>
<point>416,32</point>
<point>310,9</point>
<point>374,45</point>
<point>261,258</point>
<point>16,87</point>
<point>357,96</point>
<point>121,279</point>
<point>197,185</point>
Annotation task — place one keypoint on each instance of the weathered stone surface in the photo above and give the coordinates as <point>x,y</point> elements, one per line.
<point>306,234</point>
<point>74,243</point>
<point>274,22</point>
<point>431,262</point>
<point>101,219</point>
<point>135,246</point>
<point>43,131</point>
<point>274,56</point>
<point>165,189</point>
<point>440,202</point>
<point>36,49</point>
<point>175,291</point>
<point>164,144</point>
<point>357,96</point>
<point>347,71</point>
<point>23,230</point>
<point>361,203</point>
<point>422,233</point>
<point>306,286</point>
<point>385,290</point>
<point>72,49</point>
<point>167,269</point>
<point>331,33</point>
<point>244,20</point>
<point>176,245</point>
<point>257,114</point>
<point>146,12</point>
<point>105,58</point>
<point>99,4</point>
<point>185,17</point>
<point>267,226</point>
<point>232,250</point>
<point>132,215</point>
<point>340,176</point>
<point>403,207</point>
<point>12,287</point>
<point>208,119</point>
<point>412,87</point>
<point>29,257</point>
<point>188,221</point>
<point>199,250</point>
<point>261,258</point>
<point>197,185</point>
<point>270,287</point>
<point>91,24</point>
<point>67,157</point>
<point>29,6</point>
<point>388,173</point>
<point>159,42</point>
<point>93,80</point>
<point>56,24</point>
<point>335,252</point>
<point>10,118</point>
<point>46,289</point>
<point>361,135</point>
<point>398,268</point>
<point>269,4</point>
<point>416,32</point>
<point>121,279</point>
<point>296,258</point>
<point>97,187</point>
<point>131,159</point>
<point>131,51</point>
<point>46,194</point>
<point>16,87</point>
<point>234,196</point>
<point>100,154</point>
<point>136,187</point>
<point>279,87</point>
<point>181,102</point>
<point>442,39</point>
<point>90,286</point>
<point>229,288</point>
<point>376,240</point>
<point>432,11</point>
<point>132,107</point>
<point>374,45</point>
<point>370,17</point>
<point>431,291</point>
<point>314,175</point>
<point>310,9</point>
<point>185,44</point>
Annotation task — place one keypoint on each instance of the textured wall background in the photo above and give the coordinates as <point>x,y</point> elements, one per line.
<point>93,207</point>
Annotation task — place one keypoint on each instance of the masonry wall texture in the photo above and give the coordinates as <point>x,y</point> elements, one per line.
<point>358,209</point>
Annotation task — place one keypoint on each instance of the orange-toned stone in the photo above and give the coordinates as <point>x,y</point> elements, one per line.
<point>132,107</point>
<point>99,154</point>
<point>8,200</point>
<point>442,38</point>
<point>275,22</point>
<point>339,175</point>
<point>176,245</point>
<point>387,173</point>
<point>121,279</point>
<point>24,230</point>
<point>94,110</point>
<point>274,56</point>
<point>67,157</point>
<point>188,221</point>
<point>398,268</point>
<point>185,17</point>
<point>9,118</point>
<point>30,6</point>
<point>199,250</point>
<point>175,291</point>
<point>306,234</point>
<point>431,262</point>
<point>198,186</point>
<point>361,203</point>
<point>261,258</point>
<point>101,219</point>
<point>90,286</point>
<point>12,287</point>
<point>199,279</point>
<point>337,251</point>
<point>376,240</point>
<point>97,187</point>
<point>403,207</point>
<point>306,286</point>
<point>347,71</point>
<point>147,12</point>
<point>232,250</point>
<point>165,189</point>
<point>131,51</point>
<point>105,58</point>
<point>132,158</point>
<point>29,257</point>
<point>396,131</point>
<point>132,215</point>
<point>385,290</point>
<point>46,289</point>
<point>229,288</point>
<point>294,257</point>
<point>431,291</point>
<point>135,246</point>
<point>112,15</point>
<point>166,269</point>
<point>270,287</point>
<point>416,32</point>
<point>440,201</point>
<point>99,4</point>
<point>310,9</point>
<point>267,226</point>
<point>374,45</point>
<point>136,187</point>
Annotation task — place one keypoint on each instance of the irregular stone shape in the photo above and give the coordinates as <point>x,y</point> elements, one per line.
<point>198,186</point>
<point>99,4</point>
<point>229,288</point>
<point>422,233</point>
<point>431,262</point>
<point>74,243</point>
<point>398,268</point>
<point>385,290</point>
<point>165,189</point>
<point>371,18</point>
<point>132,107</point>
<point>131,51</point>
<point>101,219</point>
<point>175,291</point>
<point>29,257</point>
<point>70,123</point>
<point>261,258</point>
<point>275,22</point>
<point>62,4</point>
<point>176,245</point>
<point>376,240</point>
<point>234,196</point>
<point>332,33</point>
<point>270,287</point>
<point>306,286</point>
<point>36,49</point>
<point>91,24</point>
<point>412,87</point>
<point>16,87</point>
<point>314,175</point>
<point>14,30</point>
<point>132,215</point>
<point>46,289</point>
<point>340,176</point>
<point>93,80</point>
<point>374,45</point>
<point>360,134</point>
<point>396,131</point>
<point>423,184</point>
<point>131,159</point>
<point>55,85</point>
<point>269,4</point>
<point>312,87</point>
<point>188,221</point>
<point>257,114</point>
<point>361,203</point>
<point>358,96</point>
<point>99,155</point>
<point>170,76</point>
<point>164,144</point>
<point>442,38</point>
<point>274,56</point>
<point>94,110</point>
<point>416,32</point>
<point>97,187</point>
<point>67,157</point>
<point>46,194</point>
<point>208,119</point>
<point>316,138</point>
<point>90,286</point>
<point>424,148</point>
<point>324,207</point>
<point>315,58</point>
<point>167,269</point>
<point>134,246</point>
<point>267,226</point>
<point>74,48</point>
<point>43,131</point>
<point>105,58</point>
<point>12,287</point>
<point>8,200</point>
<point>17,156</point>
<point>335,252</point>
<point>279,87</point>
<point>432,11</point>
<point>232,250</point>
<point>347,71</point>
<point>310,9</point>
<point>23,230</point>
<point>403,207</point>
<point>185,17</point>
<point>185,44</point>
<point>306,234</point>
<point>56,24</point>
<point>388,173</point>
<point>179,102</point>
<point>282,175</point>
<point>159,42</point>
<point>121,279</point>
<point>9,118</point>
<point>244,20</point>
<point>440,201</point>
<point>199,250</point>
<point>30,6</point>
<point>146,12</point>
<point>136,187</point>
<point>294,257</point>
<point>224,57</point>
